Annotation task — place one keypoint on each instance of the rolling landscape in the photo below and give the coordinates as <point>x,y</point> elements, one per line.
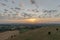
<point>29,19</point>
<point>40,34</point>
<point>30,31</point>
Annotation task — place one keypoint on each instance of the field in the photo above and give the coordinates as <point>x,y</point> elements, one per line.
<point>43,33</point>
<point>7,34</point>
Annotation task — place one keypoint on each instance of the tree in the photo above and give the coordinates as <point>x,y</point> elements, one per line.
<point>57,29</point>
<point>49,33</point>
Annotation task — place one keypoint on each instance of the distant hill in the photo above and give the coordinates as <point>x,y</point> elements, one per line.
<point>39,24</point>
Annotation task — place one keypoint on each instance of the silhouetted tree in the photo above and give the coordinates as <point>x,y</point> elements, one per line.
<point>49,33</point>
<point>11,36</point>
<point>14,35</point>
<point>57,29</point>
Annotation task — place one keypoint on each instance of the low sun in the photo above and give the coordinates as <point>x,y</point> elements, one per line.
<point>32,20</point>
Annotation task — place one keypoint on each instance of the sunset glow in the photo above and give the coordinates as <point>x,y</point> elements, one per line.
<point>32,20</point>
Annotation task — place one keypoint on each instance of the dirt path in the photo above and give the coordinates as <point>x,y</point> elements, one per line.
<point>7,34</point>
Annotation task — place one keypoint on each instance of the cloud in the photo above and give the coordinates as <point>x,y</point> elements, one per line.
<point>50,13</point>
<point>17,8</point>
<point>14,11</point>
<point>2,4</point>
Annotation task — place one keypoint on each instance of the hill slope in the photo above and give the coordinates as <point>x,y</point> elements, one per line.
<point>40,34</point>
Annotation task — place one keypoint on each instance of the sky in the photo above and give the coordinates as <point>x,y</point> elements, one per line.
<point>22,11</point>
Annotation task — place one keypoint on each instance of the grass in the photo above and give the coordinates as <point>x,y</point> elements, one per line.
<point>23,30</point>
<point>40,34</point>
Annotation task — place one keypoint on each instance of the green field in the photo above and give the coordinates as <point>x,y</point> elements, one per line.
<point>39,34</point>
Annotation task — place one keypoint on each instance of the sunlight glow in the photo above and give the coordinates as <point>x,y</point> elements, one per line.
<point>32,20</point>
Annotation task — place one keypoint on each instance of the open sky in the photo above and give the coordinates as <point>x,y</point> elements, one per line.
<point>29,11</point>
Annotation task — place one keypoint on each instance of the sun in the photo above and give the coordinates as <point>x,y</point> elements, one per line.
<point>32,20</point>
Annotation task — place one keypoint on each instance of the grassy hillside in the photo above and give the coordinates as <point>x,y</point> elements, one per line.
<point>40,34</point>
